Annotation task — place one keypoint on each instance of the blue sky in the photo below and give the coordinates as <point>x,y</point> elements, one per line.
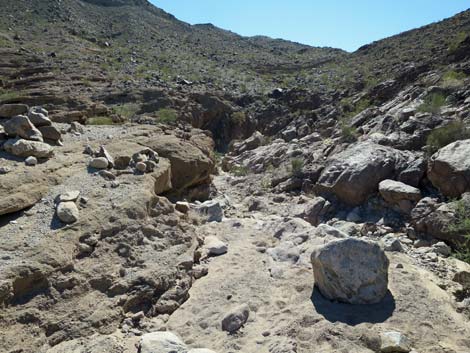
<point>345,24</point>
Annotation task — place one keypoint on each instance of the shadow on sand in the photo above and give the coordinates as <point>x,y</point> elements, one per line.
<point>353,314</point>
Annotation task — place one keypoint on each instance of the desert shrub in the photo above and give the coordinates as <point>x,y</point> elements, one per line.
<point>297,166</point>
<point>240,170</point>
<point>433,103</point>
<point>456,41</point>
<point>100,120</point>
<point>453,78</point>
<point>6,95</point>
<point>445,135</point>
<point>353,108</point>
<point>462,226</point>
<point>167,115</point>
<point>127,110</point>
<point>348,132</point>
<point>238,118</point>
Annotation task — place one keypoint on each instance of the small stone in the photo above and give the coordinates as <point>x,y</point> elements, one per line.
<point>399,265</point>
<point>31,161</point>
<point>183,207</point>
<point>214,246</point>
<point>99,163</point>
<point>390,243</point>
<point>442,248</point>
<point>236,318</point>
<point>4,170</point>
<point>68,212</point>
<point>69,196</point>
<point>141,167</point>
<point>394,342</point>
<point>106,174</point>
<point>104,153</point>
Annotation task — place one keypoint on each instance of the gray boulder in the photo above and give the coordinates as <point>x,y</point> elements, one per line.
<point>11,110</point>
<point>161,342</point>
<point>21,126</point>
<point>236,318</point>
<point>211,211</point>
<point>67,212</point>
<point>354,174</point>
<point>50,133</point>
<point>394,342</point>
<point>38,116</point>
<point>351,270</point>
<point>25,148</point>
<point>449,169</point>
<point>99,163</point>
<point>399,194</point>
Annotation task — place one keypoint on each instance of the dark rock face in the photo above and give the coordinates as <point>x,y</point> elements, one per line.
<point>117,2</point>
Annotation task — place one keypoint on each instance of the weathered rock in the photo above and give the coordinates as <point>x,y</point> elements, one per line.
<point>68,212</point>
<point>201,350</point>
<point>50,133</point>
<point>141,167</point>
<point>449,169</point>
<point>315,210</point>
<point>442,248</point>
<point>391,243</point>
<point>95,344</point>
<point>183,207</point>
<point>354,174</point>
<point>102,152</point>
<point>236,318</point>
<point>211,211</point>
<point>394,342</point>
<point>69,196</point>
<point>31,161</point>
<point>25,148</point>
<point>399,194</point>
<point>99,163</point>
<point>38,117</point>
<point>161,342</point>
<point>11,110</point>
<point>20,126</point>
<point>215,247</point>
<point>254,141</point>
<point>76,127</point>
<point>351,270</point>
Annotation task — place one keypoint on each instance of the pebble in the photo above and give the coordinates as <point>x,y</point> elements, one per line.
<point>99,163</point>
<point>236,318</point>
<point>31,161</point>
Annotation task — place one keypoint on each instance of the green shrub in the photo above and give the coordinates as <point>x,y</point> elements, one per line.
<point>100,120</point>
<point>462,226</point>
<point>445,135</point>
<point>455,42</point>
<point>348,132</point>
<point>167,115</point>
<point>240,170</point>
<point>238,118</point>
<point>453,78</point>
<point>297,166</point>
<point>6,95</point>
<point>127,110</point>
<point>433,103</point>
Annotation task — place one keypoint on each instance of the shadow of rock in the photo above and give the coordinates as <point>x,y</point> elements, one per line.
<point>353,314</point>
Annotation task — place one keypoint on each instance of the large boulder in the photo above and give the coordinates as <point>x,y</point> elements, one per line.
<point>21,126</point>
<point>25,148</point>
<point>351,270</point>
<point>190,166</point>
<point>162,342</point>
<point>449,169</point>
<point>354,174</point>
<point>11,110</point>
<point>399,194</point>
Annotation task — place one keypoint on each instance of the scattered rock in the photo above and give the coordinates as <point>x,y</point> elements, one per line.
<point>11,110</point>
<point>201,350</point>
<point>394,342</point>
<point>351,270</point>
<point>25,148</point>
<point>236,318</point>
<point>99,163</point>
<point>20,126</point>
<point>67,212</point>
<point>449,169</point>
<point>31,161</point>
<point>69,196</point>
<point>161,342</point>
<point>211,211</point>
<point>442,248</point>
<point>141,167</point>
<point>38,116</point>
<point>105,154</point>
<point>183,207</point>
<point>214,246</point>
<point>50,133</point>
<point>399,194</point>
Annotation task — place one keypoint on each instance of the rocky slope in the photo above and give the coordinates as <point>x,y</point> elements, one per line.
<point>336,221</point>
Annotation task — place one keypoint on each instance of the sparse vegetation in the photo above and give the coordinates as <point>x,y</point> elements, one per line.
<point>297,166</point>
<point>462,226</point>
<point>456,41</point>
<point>6,95</point>
<point>445,135</point>
<point>453,78</point>
<point>240,170</point>
<point>348,132</point>
<point>100,120</point>
<point>167,115</point>
<point>127,111</point>
<point>433,103</point>
<point>238,118</point>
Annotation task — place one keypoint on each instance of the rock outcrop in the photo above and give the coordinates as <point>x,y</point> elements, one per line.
<point>352,271</point>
